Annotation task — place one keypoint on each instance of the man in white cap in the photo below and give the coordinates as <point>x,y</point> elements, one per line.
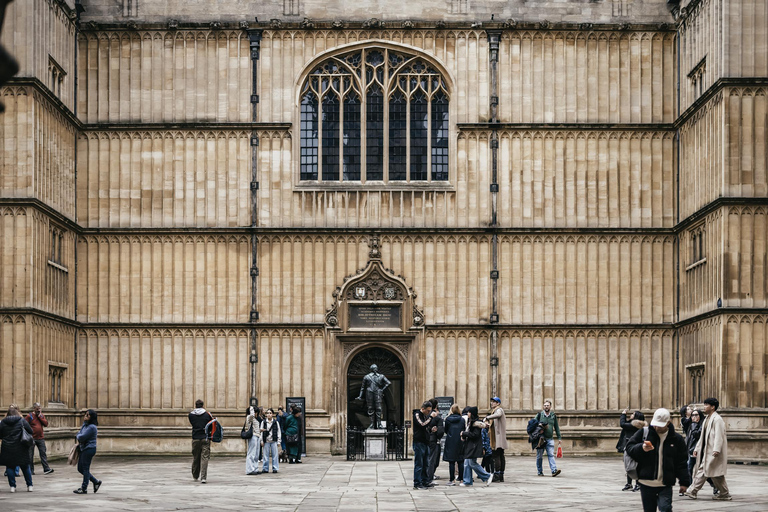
<point>662,458</point>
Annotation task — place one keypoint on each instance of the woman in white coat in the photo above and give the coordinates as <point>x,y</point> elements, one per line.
<point>252,456</point>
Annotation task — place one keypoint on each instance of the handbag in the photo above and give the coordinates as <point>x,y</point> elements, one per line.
<point>74,455</point>
<point>246,434</point>
<point>26,438</point>
<point>292,438</point>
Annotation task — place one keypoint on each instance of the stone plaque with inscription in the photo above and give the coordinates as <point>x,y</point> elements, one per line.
<point>374,316</point>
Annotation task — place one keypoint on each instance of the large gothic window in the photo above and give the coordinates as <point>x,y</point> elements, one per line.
<point>374,115</point>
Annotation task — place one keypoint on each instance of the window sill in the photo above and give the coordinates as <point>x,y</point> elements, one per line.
<point>375,186</point>
<point>696,264</point>
<point>60,267</point>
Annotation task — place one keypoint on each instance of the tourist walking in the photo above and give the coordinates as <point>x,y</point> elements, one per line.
<point>13,453</point>
<point>694,433</point>
<point>629,425</point>
<point>201,445</point>
<point>271,438</point>
<point>422,420</point>
<point>548,419</point>
<point>252,454</point>
<point>37,421</point>
<point>435,432</point>
<point>293,435</point>
<point>662,458</point>
<point>473,448</point>
<point>498,433</point>
<point>86,438</point>
<point>712,453</point>
<point>453,452</point>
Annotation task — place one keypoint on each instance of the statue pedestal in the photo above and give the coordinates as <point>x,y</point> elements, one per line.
<point>375,444</point>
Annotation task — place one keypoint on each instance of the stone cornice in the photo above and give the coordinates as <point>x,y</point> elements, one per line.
<point>718,203</point>
<point>38,85</point>
<point>33,202</point>
<point>714,89</point>
<point>190,126</point>
<point>634,127</point>
<point>39,313</point>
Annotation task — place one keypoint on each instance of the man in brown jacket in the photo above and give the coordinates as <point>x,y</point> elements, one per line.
<point>37,421</point>
<point>498,433</point>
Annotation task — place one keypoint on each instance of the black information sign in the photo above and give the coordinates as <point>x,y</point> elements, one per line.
<point>444,404</point>
<point>374,317</point>
<point>301,402</point>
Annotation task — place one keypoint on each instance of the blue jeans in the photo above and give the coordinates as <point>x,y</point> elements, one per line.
<point>10,472</point>
<point>550,446</point>
<point>654,497</point>
<point>84,466</point>
<point>469,465</point>
<point>270,450</point>
<point>420,462</point>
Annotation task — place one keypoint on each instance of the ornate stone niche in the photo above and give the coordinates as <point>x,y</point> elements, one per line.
<point>374,300</point>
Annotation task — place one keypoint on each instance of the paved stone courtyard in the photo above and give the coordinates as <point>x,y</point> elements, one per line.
<point>331,483</point>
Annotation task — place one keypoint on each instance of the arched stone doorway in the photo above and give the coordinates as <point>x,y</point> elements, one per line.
<point>393,403</point>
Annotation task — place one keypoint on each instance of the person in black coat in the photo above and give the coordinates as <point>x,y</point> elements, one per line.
<point>629,425</point>
<point>453,453</point>
<point>435,431</point>
<point>656,480</point>
<point>473,448</point>
<point>12,452</point>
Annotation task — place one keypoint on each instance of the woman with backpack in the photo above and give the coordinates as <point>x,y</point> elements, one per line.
<point>453,453</point>
<point>252,455</point>
<point>13,453</point>
<point>293,435</point>
<point>473,448</point>
<point>87,440</point>
<point>629,425</point>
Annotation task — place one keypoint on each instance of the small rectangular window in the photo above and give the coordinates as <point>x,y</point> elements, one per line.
<point>56,375</point>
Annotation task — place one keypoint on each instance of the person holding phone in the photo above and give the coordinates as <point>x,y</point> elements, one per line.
<point>253,454</point>
<point>662,459</point>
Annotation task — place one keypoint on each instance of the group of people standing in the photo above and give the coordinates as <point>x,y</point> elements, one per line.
<point>663,456</point>
<point>467,438</point>
<point>20,435</point>
<point>269,435</point>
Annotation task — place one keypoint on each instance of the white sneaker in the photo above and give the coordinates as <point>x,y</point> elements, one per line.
<point>13,489</point>
<point>488,482</point>
<point>202,481</point>
<point>29,489</point>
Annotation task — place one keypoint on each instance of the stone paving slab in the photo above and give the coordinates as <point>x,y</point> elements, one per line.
<point>332,484</point>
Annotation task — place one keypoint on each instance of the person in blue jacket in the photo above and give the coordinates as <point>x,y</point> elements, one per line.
<point>87,440</point>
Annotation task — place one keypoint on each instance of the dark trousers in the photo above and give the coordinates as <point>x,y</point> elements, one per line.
<point>499,461</point>
<point>201,453</point>
<point>40,443</point>
<point>656,497</point>
<point>452,468</point>
<point>84,466</point>
<point>420,464</point>
<point>487,463</point>
<point>433,460</point>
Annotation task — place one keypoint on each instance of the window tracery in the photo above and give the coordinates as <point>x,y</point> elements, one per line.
<point>374,115</point>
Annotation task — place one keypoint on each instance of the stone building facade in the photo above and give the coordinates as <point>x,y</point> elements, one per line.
<point>238,200</point>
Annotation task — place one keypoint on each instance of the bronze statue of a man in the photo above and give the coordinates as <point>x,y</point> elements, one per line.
<point>373,387</point>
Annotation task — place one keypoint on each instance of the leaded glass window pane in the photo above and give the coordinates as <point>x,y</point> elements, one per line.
<point>419,135</point>
<point>351,138</point>
<point>309,137</point>
<point>330,137</point>
<point>439,137</point>
<point>398,125</point>
<point>374,126</point>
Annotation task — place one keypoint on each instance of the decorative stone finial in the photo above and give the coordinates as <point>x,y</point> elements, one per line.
<point>275,23</point>
<point>245,25</point>
<point>173,24</point>
<point>510,23</point>
<point>132,25</point>
<point>307,23</point>
<point>408,24</point>
<point>337,24</point>
<point>440,24</point>
<point>215,25</point>
<point>373,23</point>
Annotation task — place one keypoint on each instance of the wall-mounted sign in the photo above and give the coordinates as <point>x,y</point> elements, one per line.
<point>370,316</point>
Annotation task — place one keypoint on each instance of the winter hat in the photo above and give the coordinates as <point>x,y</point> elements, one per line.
<point>660,418</point>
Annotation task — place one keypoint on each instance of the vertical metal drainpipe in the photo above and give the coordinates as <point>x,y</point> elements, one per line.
<point>494,36</point>
<point>254,37</point>
<point>78,10</point>
<point>677,221</point>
